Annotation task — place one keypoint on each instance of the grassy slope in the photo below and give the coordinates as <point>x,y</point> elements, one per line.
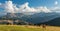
<point>27,28</point>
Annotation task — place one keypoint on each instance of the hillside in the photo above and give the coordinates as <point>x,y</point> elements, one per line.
<point>54,22</point>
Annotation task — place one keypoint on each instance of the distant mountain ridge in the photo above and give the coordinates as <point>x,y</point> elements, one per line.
<point>53,22</point>
<point>35,18</point>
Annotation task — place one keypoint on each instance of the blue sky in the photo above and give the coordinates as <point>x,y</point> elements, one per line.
<point>34,3</point>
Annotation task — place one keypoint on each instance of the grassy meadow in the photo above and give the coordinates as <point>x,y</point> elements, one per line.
<point>27,28</point>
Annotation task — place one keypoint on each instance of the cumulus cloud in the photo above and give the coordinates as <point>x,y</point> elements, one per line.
<point>9,7</point>
<point>26,8</point>
<point>43,9</point>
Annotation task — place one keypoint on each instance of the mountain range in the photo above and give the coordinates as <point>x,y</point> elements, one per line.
<point>53,22</point>
<point>35,18</point>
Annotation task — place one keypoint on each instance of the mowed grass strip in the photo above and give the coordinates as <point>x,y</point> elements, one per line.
<point>27,28</point>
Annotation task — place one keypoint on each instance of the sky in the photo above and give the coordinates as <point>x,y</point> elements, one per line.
<point>34,3</point>
<point>23,6</point>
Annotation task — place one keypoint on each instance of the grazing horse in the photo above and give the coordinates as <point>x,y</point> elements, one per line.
<point>44,26</point>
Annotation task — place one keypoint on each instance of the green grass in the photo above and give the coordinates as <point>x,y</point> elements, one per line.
<point>27,28</point>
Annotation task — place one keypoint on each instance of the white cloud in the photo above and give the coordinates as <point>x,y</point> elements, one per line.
<point>24,8</point>
<point>9,6</point>
<point>55,9</point>
<point>43,9</point>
